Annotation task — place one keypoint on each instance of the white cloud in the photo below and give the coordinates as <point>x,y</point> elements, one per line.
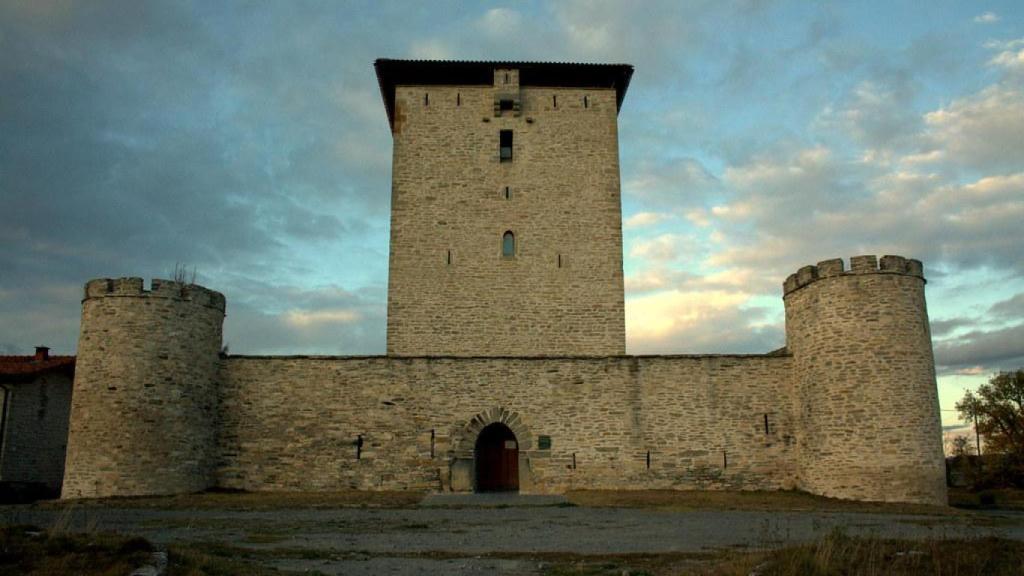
<point>698,217</point>
<point>876,115</point>
<point>430,49</point>
<point>982,131</point>
<point>1009,59</point>
<point>1004,44</point>
<point>930,157</point>
<point>663,277</point>
<point>671,182</point>
<point>500,23</point>
<point>657,278</point>
<point>304,318</point>
<point>972,371</point>
<point>767,172</point>
<point>736,211</point>
<point>1003,348</point>
<point>986,18</point>
<point>644,219</point>
<point>698,321</point>
<point>650,34</point>
<point>666,247</point>
<point>655,316</point>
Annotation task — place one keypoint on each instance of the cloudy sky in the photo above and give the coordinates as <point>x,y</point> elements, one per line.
<point>248,140</point>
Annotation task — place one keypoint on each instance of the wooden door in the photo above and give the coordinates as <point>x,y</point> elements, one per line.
<point>497,460</point>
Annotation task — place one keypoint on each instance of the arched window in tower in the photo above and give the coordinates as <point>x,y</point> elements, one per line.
<point>508,245</point>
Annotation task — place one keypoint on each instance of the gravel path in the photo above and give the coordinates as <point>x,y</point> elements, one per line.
<point>448,535</point>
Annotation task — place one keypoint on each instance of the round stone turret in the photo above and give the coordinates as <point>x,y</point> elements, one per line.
<point>865,381</point>
<point>144,401</point>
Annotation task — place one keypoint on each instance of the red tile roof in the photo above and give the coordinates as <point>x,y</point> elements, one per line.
<point>26,367</point>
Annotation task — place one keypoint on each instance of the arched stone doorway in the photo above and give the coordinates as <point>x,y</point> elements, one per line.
<point>497,459</point>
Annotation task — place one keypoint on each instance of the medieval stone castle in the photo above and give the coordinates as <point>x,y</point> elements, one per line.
<point>505,365</point>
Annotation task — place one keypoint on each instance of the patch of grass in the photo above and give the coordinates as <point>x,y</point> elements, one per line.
<point>833,555</point>
<point>556,563</point>
<point>230,551</point>
<point>264,538</point>
<point>792,500</point>
<point>190,562</point>
<point>221,500</point>
<point>996,499</point>
<point>30,551</point>
<point>841,554</point>
<point>628,564</point>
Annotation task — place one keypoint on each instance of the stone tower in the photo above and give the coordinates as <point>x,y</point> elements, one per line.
<point>506,234</point>
<point>864,377</point>
<point>143,410</point>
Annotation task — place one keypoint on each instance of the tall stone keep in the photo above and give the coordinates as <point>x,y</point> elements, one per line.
<point>864,376</point>
<point>506,228</point>
<point>144,405</point>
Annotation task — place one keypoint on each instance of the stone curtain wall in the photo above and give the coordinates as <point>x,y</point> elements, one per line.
<point>448,194</point>
<point>36,430</point>
<point>865,379</point>
<point>850,411</point>
<point>142,413</point>
<point>293,423</point>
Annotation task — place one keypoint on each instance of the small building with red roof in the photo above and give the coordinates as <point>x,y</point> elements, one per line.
<point>35,404</point>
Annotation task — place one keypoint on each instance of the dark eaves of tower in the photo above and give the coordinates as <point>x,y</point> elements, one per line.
<point>391,73</point>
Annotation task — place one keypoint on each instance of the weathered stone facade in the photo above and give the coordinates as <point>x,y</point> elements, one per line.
<point>292,423</point>
<point>533,340</point>
<point>143,411</point>
<point>35,429</point>
<point>865,378</point>
<point>453,199</point>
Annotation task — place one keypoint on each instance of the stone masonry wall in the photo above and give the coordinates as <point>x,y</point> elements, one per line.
<point>36,430</point>
<point>292,423</point>
<point>142,413</point>
<point>865,380</point>
<point>562,293</point>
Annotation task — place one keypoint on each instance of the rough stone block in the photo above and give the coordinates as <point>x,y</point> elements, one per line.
<point>862,264</point>
<point>833,267</point>
<point>893,264</point>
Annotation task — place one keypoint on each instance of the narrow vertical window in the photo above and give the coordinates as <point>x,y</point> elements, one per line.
<point>426,99</point>
<point>505,145</point>
<point>554,100</point>
<point>449,257</point>
<point>458,99</point>
<point>508,245</point>
<point>506,77</point>
<point>508,193</point>
<point>586,102</point>
<point>559,260</point>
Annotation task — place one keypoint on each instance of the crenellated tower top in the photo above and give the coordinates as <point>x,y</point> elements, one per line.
<point>114,287</point>
<point>868,264</point>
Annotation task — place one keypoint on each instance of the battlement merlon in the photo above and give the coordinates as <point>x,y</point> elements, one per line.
<point>868,264</point>
<point>114,287</point>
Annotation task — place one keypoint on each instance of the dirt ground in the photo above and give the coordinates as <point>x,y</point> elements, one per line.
<point>496,534</point>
